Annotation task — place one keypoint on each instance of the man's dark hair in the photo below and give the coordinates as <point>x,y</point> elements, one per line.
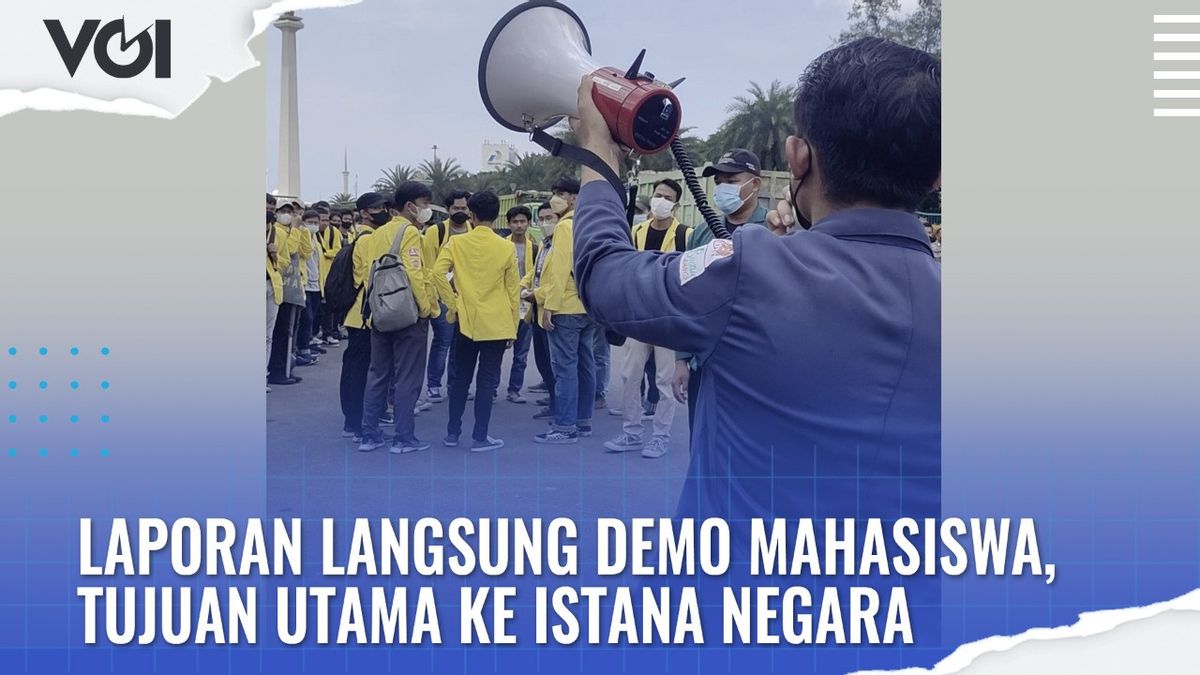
<point>311,213</point>
<point>872,111</point>
<point>271,199</point>
<point>410,191</point>
<point>519,211</point>
<point>485,205</point>
<point>544,206</point>
<point>456,195</point>
<point>565,184</point>
<point>674,185</point>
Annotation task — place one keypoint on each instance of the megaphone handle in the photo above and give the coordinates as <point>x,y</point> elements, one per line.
<point>557,148</point>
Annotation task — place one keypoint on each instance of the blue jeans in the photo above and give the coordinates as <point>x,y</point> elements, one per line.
<point>603,352</point>
<point>571,344</point>
<point>439,349</point>
<point>516,374</point>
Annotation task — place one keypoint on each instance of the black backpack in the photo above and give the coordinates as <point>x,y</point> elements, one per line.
<point>340,289</point>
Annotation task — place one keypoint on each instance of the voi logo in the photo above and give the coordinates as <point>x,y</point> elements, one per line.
<point>156,49</point>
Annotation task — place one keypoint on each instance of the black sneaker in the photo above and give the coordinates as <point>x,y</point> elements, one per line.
<point>411,445</point>
<point>540,386</point>
<point>451,441</point>
<point>584,430</point>
<point>555,437</point>
<point>387,418</point>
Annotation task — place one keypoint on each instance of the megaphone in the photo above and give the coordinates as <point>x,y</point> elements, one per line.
<point>531,67</point>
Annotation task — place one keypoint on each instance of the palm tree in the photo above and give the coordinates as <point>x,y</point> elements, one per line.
<point>759,121</point>
<point>442,176</point>
<point>392,178</point>
<point>342,200</point>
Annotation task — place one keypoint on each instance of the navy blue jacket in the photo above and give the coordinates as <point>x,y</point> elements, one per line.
<point>821,353</point>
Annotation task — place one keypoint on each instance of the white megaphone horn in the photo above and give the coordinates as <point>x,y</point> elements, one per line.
<point>531,67</point>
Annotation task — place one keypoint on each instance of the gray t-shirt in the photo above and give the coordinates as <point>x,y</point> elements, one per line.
<point>520,258</point>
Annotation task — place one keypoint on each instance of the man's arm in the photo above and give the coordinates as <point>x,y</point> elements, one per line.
<point>512,286</point>
<point>445,291</point>
<point>677,301</point>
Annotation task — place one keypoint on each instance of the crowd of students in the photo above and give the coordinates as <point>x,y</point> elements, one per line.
<point>479,289</point>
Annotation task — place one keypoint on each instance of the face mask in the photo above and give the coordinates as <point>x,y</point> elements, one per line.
<point>424,214</point>
<point>558,205</point>
<point>312,227</point>
<point>459,218</point>
<point>661,207</point>
<point>548,228</point>
<point>284,219</point>
<point>381,218</point>
<point>728,197</point>
<point>800,220</point>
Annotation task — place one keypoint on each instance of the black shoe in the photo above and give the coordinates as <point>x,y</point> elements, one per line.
<point>285,380</point>
<point>543,401</point>
<point>541,386</point>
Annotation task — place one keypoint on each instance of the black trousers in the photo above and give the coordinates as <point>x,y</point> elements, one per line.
<point>283,340</point>
<point>541,358</point>
<point>489,354</point>
<point>356,361</point>
<point>649,381</point>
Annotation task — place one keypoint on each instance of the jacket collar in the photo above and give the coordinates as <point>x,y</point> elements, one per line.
<point>883,226</point>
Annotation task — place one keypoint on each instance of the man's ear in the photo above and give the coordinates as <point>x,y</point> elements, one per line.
<point>799,156</point>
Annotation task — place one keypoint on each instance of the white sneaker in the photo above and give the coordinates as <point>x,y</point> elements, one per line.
<point>369,444</point>
<point>616,412</point>
<point>624,443</point>
<point>655,447</point>
<point>423,406</point>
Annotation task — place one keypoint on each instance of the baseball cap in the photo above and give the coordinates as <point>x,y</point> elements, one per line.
<point>736,160</point>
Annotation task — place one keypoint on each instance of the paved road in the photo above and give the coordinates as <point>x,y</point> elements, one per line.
<point>313,471</point>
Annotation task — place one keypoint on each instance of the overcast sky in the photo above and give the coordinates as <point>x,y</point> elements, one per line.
<point>361,68</point>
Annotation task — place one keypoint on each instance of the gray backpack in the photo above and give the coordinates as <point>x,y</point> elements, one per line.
<point>390,305</point>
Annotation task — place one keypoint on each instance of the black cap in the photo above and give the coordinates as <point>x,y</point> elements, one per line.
<point>737,160</point>
<point>370,200</point>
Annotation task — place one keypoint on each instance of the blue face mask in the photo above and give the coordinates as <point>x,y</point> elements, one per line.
<point>728,197</point>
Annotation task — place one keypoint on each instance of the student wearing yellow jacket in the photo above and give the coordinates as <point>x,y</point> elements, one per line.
<point>398,357</point>
<point>483,305</point>
<point>329,243</point>
<point>661,233</point>
<point>572,333</point>
<point>296,246</point>
<point>434,240</point>
<point>356,359</point>
<point>519,219</point>
<point>275,237</point>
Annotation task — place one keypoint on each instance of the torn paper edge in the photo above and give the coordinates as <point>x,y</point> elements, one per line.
<point>48,99</point>
<point>1089,624</point>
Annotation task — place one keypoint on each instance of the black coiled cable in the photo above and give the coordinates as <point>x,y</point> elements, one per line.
<point>715,223</point>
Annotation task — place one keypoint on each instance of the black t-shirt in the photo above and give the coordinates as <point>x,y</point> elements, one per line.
<point>654,239</point>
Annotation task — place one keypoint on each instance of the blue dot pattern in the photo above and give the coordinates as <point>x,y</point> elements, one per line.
<point>45,418</point>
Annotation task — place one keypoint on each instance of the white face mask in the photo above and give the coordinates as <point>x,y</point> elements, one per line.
<point>312,227</point>
<point>548,227</point>
<point>661,207</point>
<point>283,218</point>
<point>423,215</point>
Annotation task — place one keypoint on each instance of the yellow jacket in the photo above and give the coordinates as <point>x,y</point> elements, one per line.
<point>531,253</point>
<point>374,246</point>
<point>281,260</point>
<point>432,241</point>
<point>290,241</point>
<point>329,242</point>
<point>557,291</point>
<point>485,297</point>
<point>641,230</point>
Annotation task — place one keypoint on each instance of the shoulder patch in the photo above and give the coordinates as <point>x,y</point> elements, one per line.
<point>693,263</point>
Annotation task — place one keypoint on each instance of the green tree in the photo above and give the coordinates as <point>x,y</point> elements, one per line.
<point>392,178</point>
<point>442,176</point>
<point>695,146</point>
<point>920,29</point>
<point>342,200</point>
<point>760,121</point>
